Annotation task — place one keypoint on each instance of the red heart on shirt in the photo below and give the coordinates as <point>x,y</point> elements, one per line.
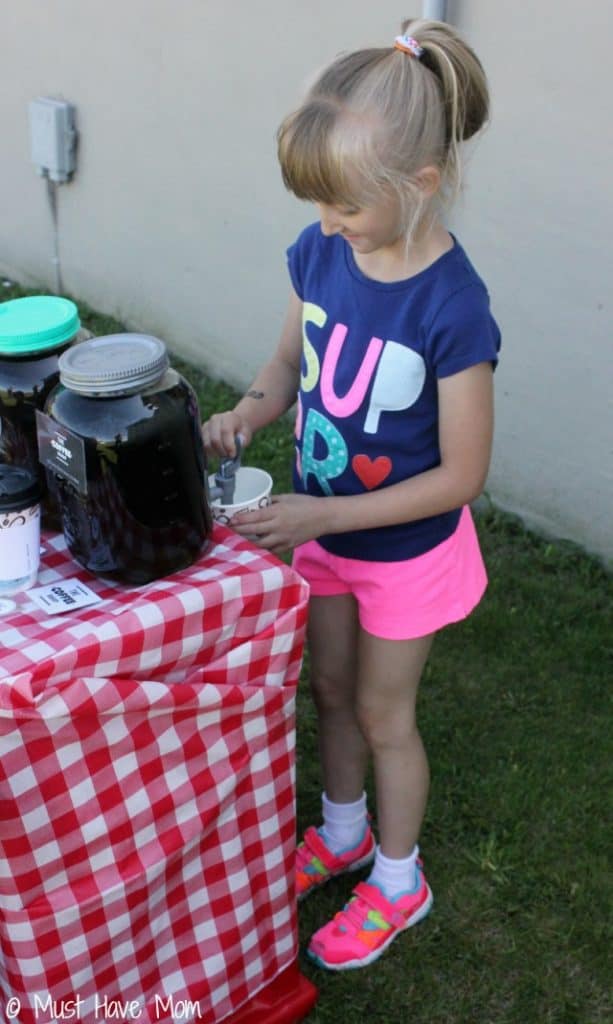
<point>371,471</point>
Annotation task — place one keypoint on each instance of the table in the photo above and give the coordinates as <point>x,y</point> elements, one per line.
<point>147,790</point>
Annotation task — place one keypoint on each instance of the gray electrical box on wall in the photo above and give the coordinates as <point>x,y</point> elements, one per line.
<point>53,137</point>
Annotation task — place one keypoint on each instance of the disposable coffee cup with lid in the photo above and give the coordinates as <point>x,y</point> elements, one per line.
<point>20,493</point>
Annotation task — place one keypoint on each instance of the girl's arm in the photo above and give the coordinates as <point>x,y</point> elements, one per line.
<point>465,440</point>
<point>272,393</point>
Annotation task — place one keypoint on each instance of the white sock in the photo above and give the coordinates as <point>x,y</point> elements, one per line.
<point>394,876</point>
<point>344,824</point>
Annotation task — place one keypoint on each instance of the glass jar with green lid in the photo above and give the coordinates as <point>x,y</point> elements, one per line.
<point>34,331</point>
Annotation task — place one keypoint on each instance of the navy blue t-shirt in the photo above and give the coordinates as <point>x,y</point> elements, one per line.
<point>372,355</point>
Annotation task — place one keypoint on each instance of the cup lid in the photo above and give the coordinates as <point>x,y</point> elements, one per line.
<point>19,487</point>
<point>36,323</point>
<point>115,364</point>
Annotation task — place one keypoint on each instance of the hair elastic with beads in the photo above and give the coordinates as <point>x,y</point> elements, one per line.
<point>408,45</point>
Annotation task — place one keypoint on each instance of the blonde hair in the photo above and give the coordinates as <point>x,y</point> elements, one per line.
<point>375,117</point>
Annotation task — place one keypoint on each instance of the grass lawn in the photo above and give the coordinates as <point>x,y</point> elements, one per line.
<point>514,711</point>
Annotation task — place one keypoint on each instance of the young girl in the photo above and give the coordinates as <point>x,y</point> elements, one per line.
<point>390,345</point>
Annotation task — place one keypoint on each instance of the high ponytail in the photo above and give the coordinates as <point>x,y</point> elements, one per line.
<point>463,89</point>
<point>460,74</point>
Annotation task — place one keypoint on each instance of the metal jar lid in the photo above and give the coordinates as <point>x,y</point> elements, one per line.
<point>19,487</point>
<point>116,364</point>
<point>36,324</point>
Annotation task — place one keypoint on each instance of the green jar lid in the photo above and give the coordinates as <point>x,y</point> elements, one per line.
<point>36,323</point>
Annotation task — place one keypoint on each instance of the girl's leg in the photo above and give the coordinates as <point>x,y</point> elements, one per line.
<point>333,647</point>
<point>345,842</point>
<point>388,679</point>
<point>396,894</point>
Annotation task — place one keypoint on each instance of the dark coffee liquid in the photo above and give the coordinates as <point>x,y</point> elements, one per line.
<point>144,513</point>
<point>25,383</point>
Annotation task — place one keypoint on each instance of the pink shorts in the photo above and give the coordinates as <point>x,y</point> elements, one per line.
<point>408,599</point>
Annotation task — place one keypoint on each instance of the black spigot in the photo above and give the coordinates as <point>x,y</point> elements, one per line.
<point>225,477</point>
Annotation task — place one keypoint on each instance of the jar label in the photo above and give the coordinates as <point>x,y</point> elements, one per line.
<point>61,451</point>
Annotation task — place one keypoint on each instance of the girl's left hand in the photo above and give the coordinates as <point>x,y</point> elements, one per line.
<point>289,520</point>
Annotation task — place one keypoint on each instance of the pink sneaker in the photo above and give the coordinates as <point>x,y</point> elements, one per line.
<point>359,934</point>
<point>316,864</point>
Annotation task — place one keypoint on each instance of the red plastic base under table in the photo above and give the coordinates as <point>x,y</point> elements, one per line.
<point>286,1000</point>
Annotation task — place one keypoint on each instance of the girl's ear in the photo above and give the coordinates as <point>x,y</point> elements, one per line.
<point>428,181</point>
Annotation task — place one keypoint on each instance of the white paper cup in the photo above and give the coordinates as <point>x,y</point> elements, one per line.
<point>252,491</point>
<point>19,529</point>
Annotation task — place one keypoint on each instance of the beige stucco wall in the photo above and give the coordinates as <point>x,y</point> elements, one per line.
<point>538,219</point>
<point>177,221</point>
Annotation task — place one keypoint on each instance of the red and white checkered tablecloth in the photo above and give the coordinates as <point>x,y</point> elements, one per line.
<point>147,792</point>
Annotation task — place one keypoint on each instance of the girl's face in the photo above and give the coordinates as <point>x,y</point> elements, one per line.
<point>367,230</point>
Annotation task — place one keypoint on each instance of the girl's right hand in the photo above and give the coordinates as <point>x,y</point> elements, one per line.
<point>220,431</point>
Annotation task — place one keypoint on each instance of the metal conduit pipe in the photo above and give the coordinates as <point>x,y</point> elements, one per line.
<point>434,10</point>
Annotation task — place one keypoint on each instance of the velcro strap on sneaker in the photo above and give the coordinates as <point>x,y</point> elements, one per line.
<point>316,845</point>
<point>375,899</point>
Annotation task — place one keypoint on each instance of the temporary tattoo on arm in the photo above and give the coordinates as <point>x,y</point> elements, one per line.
<point>254,394</point>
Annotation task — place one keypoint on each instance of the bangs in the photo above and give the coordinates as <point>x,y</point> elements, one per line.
<point>323,158</point>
